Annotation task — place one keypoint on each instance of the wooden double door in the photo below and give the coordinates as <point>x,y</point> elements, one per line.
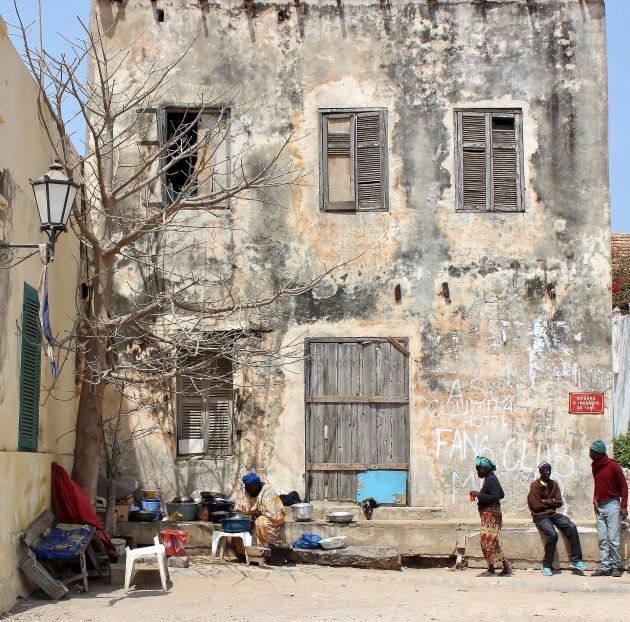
<point>357,413</point>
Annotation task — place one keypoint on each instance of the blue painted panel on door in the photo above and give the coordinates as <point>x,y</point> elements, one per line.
<point>384,486</point>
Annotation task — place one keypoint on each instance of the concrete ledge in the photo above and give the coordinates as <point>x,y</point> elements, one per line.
<point>520,540</point>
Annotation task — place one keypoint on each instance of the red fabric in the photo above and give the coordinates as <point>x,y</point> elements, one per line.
<point>72,505</point>
<point>609,481</point>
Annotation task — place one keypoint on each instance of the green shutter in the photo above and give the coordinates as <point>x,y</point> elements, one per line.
<point>29,371</point>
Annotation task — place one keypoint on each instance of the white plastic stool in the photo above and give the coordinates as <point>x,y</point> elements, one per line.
<point>245,537</point>
<point>146,551</point>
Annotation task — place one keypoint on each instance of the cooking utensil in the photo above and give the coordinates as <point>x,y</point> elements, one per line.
<point>340,517</point>
<point>235,525</point>
<point>336,542</point>
<point>143,516</point>
<point>302,511</point>
<point>218,505</point>
<point>187,510</point>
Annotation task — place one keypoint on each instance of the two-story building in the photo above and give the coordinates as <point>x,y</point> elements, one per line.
<point>457,153</point>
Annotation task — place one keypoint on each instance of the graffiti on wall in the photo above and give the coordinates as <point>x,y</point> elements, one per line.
<point>470,421</point>
<point>478,404</point>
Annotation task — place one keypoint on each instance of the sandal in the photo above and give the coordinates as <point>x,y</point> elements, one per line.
<point>507,571</point>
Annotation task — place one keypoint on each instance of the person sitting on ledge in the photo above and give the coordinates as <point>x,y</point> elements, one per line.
<point>262,503</point>
<point>544,499</point>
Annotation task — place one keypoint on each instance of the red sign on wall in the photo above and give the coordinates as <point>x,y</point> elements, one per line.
<point>586,403</point>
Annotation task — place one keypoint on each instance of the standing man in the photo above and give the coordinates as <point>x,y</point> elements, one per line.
<point>610,502</point>
<point>544,499</point>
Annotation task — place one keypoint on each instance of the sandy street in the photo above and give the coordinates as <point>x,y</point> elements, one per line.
<point>234,592</point>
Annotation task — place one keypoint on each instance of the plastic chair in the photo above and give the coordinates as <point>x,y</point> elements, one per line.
<point>146,551</point>
<point>245,537</point>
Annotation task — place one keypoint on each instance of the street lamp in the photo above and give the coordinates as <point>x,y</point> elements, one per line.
<point>54,195</point>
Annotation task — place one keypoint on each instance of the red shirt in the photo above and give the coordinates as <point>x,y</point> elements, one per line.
<point>609,481</point>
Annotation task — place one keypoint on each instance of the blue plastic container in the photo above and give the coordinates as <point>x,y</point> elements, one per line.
<point>151,505</point>
<point>235,525</point>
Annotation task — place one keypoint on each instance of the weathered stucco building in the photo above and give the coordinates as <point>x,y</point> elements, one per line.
<point>458,153</point>
<point>37,414</point>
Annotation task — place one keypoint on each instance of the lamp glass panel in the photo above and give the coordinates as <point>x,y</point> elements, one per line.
<point>42,203</point>
<point>57,194</point>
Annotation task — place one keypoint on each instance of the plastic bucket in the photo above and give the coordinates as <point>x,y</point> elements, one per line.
<point>150,505</point>
<point>119,544</point>
<point>174,542</point>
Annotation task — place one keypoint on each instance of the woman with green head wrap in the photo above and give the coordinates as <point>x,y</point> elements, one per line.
<point>489,506</point>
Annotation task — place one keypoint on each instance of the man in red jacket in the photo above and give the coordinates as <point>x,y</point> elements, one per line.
<point>543,500</point>
<point>610,502</point>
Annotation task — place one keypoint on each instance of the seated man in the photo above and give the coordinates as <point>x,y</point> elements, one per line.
<point>263,504</point>
<point>544,499</point>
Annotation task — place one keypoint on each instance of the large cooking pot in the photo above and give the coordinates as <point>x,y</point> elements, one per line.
<point>302,511</point>
<point>218,505</point>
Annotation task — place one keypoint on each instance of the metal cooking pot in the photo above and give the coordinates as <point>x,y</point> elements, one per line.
<point>302,511</point>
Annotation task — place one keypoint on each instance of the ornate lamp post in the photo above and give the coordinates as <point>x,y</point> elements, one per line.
<point>54,195</point>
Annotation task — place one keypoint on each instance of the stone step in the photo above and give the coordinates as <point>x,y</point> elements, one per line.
<point>379,557</point>
<point>320,508</point>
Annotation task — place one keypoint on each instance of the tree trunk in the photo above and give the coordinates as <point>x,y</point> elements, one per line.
<point>110,515</point>
<point>87,445</point>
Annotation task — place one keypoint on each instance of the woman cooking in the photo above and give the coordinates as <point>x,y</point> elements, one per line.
<point>262,503</point>
<point>489,506</point>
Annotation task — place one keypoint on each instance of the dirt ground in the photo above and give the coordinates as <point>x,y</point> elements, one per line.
<point>234,592</point>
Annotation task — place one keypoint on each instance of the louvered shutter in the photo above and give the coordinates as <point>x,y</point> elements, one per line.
<point>474,161</point>
<point>219,407</point>
<point>29,372</point>
<point>204,408</point>
<point>337,166</point>
<point>370,161</point>
<point>504,164</point>
<point>191,418</point>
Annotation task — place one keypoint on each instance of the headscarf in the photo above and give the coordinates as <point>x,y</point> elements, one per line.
<point>486,463</point>
<point>599,446</point>
<point>543,466</point>
<point>251,478</point>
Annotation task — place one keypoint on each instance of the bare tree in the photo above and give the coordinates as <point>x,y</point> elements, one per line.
<point>150,195</point>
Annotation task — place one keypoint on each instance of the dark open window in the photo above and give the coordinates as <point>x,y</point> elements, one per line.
<point>197,158</point>
<point>204,409</point>
<point>489,162</point>
<point>353,160</point>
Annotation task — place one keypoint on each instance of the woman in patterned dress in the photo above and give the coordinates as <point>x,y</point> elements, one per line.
<point>489,506</point>
<point>264,506</point>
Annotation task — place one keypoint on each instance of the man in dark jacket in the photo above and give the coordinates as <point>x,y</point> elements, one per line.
<point>544,499</point>
<point>610,502</point>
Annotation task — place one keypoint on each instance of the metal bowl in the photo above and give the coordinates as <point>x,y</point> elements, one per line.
<point>340,517</point>
<point>336,542</point>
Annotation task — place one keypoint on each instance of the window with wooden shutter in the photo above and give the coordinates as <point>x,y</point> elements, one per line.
<point>353,160</point>
<point>204,410</point>
<point>489,160</point>
<point>30,366</point>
